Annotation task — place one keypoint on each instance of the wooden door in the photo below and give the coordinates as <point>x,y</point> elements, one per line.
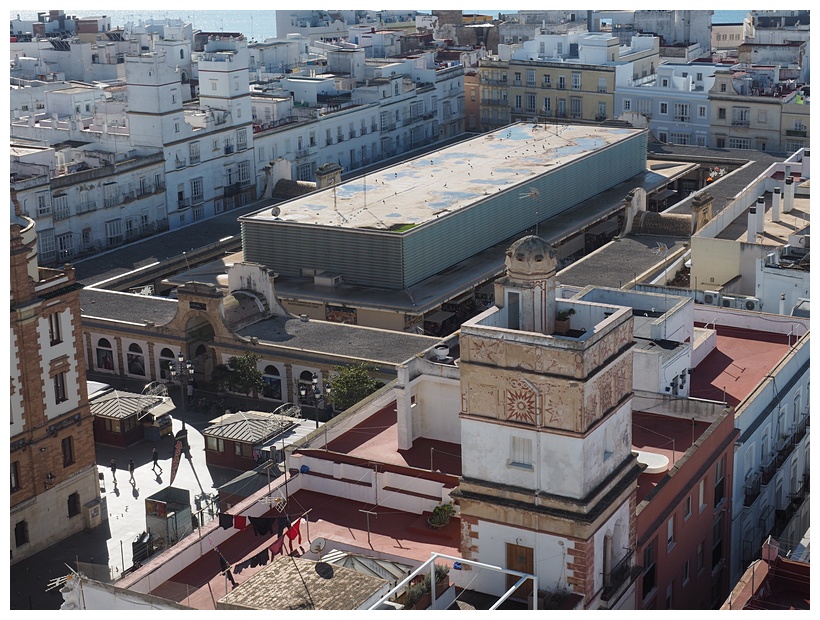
<point>520,558</point>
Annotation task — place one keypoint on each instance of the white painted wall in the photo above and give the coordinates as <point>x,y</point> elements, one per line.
<point>438,404</point>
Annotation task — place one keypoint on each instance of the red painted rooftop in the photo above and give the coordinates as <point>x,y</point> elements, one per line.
<point>740,361</point>
<point>376,439</point>
<point>660,434</point>
<point>340,521</point>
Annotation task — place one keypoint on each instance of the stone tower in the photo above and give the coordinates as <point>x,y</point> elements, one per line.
<point>548,476</point>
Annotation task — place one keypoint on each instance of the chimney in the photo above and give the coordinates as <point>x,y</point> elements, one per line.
<point>806,161</point>
<point>788,198</point>
<point>782,303</point>
<point>776,198</point>
<point>761,213</point>
<point>752,225</point>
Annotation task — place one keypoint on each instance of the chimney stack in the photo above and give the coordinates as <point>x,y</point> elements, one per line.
<point>761,214</point>
<point>788,198</point>
<point>752,225</point>
<point>777,197</point>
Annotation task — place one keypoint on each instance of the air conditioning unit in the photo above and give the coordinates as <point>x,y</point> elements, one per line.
<point>711,298</point>
<point>729,302</point>
<point>749,303</point>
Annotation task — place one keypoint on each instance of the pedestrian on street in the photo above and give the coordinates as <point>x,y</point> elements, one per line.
<point>114,470</point>
<point>155,455</point>
<point>131,469</point>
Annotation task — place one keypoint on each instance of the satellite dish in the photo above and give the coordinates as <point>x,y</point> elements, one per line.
<point>275,211</point>
<point>317,545</point>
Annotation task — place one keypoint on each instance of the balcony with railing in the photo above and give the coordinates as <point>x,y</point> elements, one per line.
<point>111,201</point>
<point>501,102</point>
<point>800,429</point>
<point>797,133</point>
<point>751,489</point>
<point>86,207</point>
<point>767,472</point>
<point>622,573</point>
<point>740,122</point>
<point>180,162</point>
<point>682,118</point>
<point>62,213</point>
<point>233,189</point>
<point>228,149</point>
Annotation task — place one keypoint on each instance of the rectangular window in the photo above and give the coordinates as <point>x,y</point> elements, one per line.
<point>721,113</point>
<point>530,77</point>
<point>664,108</point>
<point>719,482</point>
<point>197,194</point>
<point>531,102</point>
<point>242,449</point>
<point>627,105</point>
<point>65,246</point>
<point>699,561</point>
<point>740,143</point>
<point>73,505</point>
<point>244,169</point>
<point>687,509</point>
<point>521,452</point>
<point>670,533</point>
<point>15,476</point>
<point>215,443</point>
<point>562,82</point>
<point>682,112</point>
<point>60,388</point>
<point>685,573</point>
<point>43,204</point>
<point>113,232</point>
<point>20,533</point>
<point>648,576</point>
<point>702,495</point>
<point>55,333</point>
<point>61,208</point>
<point>193,151</point>
<point>576,81</point>
<point>601,85</point>
<point>717,542</point>
<point>241,139</point>
<point>68,451</point>
<point>547,80</point>
<point>701,111</point>
<point>669,595</point>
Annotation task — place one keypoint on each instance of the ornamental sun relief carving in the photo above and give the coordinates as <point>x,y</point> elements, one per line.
<point>520,403</point>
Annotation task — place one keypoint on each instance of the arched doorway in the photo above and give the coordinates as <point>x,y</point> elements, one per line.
<point>198,347</point>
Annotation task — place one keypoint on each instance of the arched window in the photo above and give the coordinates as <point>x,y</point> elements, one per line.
<point>104,355</point>
<point>306,379</point>
<point>166,358</point>
<point>136,360</point>
<point>201,350</point>
<point>273,383</point>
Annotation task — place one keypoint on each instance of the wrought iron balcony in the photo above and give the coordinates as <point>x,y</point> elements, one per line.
<point>623,572</point>
<point>767,472</point>
<point>751,490</point>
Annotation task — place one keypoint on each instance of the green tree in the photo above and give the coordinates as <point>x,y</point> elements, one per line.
<point>350,384</point>
<point>241,374</point>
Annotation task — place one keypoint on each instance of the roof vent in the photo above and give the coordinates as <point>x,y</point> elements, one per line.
<point>304,318</point>
<point>441,351</point>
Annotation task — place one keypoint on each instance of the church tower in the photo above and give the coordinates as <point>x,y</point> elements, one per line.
<point>548,476</point>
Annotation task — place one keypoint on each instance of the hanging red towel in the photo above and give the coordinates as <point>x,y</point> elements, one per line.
<point>239,522</point>
<point>276,547</point>
<point>293,532</point>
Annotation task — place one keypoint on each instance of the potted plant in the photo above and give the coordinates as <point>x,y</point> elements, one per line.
<point>441,515</point>
<point>562,320</point>
<point>419,594</point>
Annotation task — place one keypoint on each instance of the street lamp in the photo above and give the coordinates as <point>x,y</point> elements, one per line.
<point>312,395</point>
<point>182,370</point>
